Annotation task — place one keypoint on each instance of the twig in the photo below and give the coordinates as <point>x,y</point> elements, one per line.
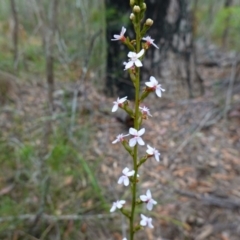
<point>230,88</point>
<point>27,234</point>
<point>208,230</point>
<point>200,126</point>
<point>212,200</point>
<point>76,90</point>
<point>73,217</point>
<point>44,191</point>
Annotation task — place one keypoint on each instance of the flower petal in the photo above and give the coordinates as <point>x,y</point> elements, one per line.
<point>126,181</point>
<point>123,31</point>
<point>122,202</point>
<point>153,201</point>
<point>143,198</point>
<point>148,194</point>
<point>130,173</point>
<point>149,206</point>
<point>150,223</point>
<point>129,65</point>
<point>149,152</point>
<point>115,108</point>
<point>138,63</point>
<point>143,223</point>
<point>133,131</point>
<point>157,154</point>
<point>153,80</point>
<point>155,45</point>
<point>120,180</point>
<point>140,53</point>
<point>115,141</point>
<point>149,84</point>
<point>113,208</point>
<point>125,170</point>
<point>140,141</point>
<point>141,132</point>
<point>132,142</point>
<point>149,148</point>
<point>122,100</point>
<point>131,54</point>
<point>158,92</point>
<point>116,36</point>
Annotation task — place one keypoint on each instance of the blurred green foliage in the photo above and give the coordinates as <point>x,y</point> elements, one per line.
<point>228,18</point>
<point>213,20</point>
<point>73,185</point>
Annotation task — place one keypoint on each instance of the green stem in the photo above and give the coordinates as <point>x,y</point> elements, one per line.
<point>136,126</point>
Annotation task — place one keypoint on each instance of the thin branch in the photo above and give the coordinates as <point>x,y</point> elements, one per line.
<point>76,90</point>
<point>15,32</point>
<point>205,119</point>
<point>230,88</point>
<point>73,217</point>
<point>211,200</point>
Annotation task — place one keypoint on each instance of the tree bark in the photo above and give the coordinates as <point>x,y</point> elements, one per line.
<point>15,32</point>
<point>49,50</point>
<point>47,23</point>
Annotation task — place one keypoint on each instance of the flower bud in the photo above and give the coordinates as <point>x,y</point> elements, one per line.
<point>149,22</point>
<point>132,16</point>
<point>136,9</point>
<point>132,2</point>
<point>144,6</point>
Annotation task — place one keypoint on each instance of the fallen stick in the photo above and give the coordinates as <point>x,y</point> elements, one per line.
<point>212,200</point>
<point>74,217</point>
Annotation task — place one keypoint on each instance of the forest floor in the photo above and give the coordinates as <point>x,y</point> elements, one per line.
<point>196,183</point>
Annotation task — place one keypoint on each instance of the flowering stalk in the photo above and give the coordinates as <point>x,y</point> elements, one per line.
<point>139,113</point>
<point>136,126</point>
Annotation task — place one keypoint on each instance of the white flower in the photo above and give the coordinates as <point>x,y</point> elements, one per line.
<point>118,103</point>
<point>134,59</point>
<point>137,137</point>
<point>145,111</point>
<point>148,199</point>
<point>119,138</point>
<point>153,84</point>
<point>118,204</point>
<point>152,151</point>
<point>124,239</point>
<point>146,221</point>
<point>121,36</point>
<point>150,41</point>
<point>125,177</point>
